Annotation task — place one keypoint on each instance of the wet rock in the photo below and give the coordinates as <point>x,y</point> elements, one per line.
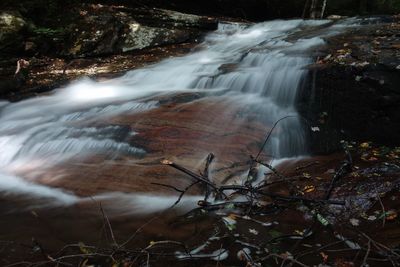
<point>172,19</point>
<point>140,37</point>
<point>354,94</point>
<point>336,17</point>
<point>93,35</point>
<point>112,30</point>
<point>167,132</point>
<point>384,168</point>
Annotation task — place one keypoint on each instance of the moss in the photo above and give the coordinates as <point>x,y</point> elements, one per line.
<point>11,22</point>
<point>49,32</point>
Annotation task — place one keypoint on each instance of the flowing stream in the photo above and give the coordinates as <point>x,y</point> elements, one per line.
<point>258,68</point>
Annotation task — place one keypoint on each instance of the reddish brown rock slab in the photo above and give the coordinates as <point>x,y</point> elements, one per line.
<point>184,133</point>
<point>192,130</point>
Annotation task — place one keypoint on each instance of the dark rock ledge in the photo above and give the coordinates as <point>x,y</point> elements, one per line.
<point>353,90</point>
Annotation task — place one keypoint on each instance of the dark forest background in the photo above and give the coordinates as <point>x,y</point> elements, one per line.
<point>43,11</point>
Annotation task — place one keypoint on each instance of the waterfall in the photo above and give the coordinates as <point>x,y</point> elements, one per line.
<point>259,67</point>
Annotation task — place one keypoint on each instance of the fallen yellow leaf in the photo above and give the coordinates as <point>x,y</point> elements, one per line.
<point>364,145</point>
<point>309,188</point>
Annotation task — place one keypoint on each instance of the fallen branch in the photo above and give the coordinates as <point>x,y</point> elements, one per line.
<point>206,174</point>
<point>270,132</point>
<point>271,168</point>
<point>190,173</point>
<point>344,169</point>
<point>182,191</point>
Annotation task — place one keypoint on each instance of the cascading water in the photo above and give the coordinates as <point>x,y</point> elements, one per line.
<point>253,67</point>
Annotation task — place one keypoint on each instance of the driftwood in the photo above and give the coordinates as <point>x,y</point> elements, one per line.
<point>247,190</point>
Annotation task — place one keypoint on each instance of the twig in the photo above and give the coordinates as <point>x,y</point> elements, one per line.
<point>281,197</point>
<point>270,167</point>
<point>59,259</point>
<point>137,231</point>
<point>387,252</point>
<point>344,168</point>
<point>188,172</point>
<point>383,208</point>
<point>284,258</point>
<point>164,242</point>
<point>319,249</point>
<point>270,132</point>
<point>182,191</point>
<point>380,245</point>
<point>364,263</point>
<point>264,185</point>
<point>298,168</point>
<point>107,221</point>
<point>209,159</point>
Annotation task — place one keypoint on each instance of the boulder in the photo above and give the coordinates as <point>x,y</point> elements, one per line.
<point>102,30</point>
<point>12,26</point>
<point>93,34</point>
<point>353,94</point>
<point>139,37</point>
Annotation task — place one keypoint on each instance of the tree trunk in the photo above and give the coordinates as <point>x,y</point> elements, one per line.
<point>307,3</point>
<point>323,9</point>
<point>313,9</point>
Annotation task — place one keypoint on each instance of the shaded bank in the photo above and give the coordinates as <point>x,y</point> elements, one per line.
<point>353,88</point>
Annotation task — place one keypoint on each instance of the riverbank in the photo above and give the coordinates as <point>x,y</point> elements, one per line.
<point>99,41</point>
<point>46,74</point>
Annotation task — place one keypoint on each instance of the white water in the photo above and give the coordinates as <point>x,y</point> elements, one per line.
<point>255,67</point>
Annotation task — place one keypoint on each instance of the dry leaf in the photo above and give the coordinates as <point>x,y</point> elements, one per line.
<point>309,188</point>
<point>253,231</point>
<point>355,222</point>
<point>324,256</point>
<point>391,215</point>
<point>364,145</point>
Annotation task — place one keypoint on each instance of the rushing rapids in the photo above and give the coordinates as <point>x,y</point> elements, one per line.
<point>252,72</point>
